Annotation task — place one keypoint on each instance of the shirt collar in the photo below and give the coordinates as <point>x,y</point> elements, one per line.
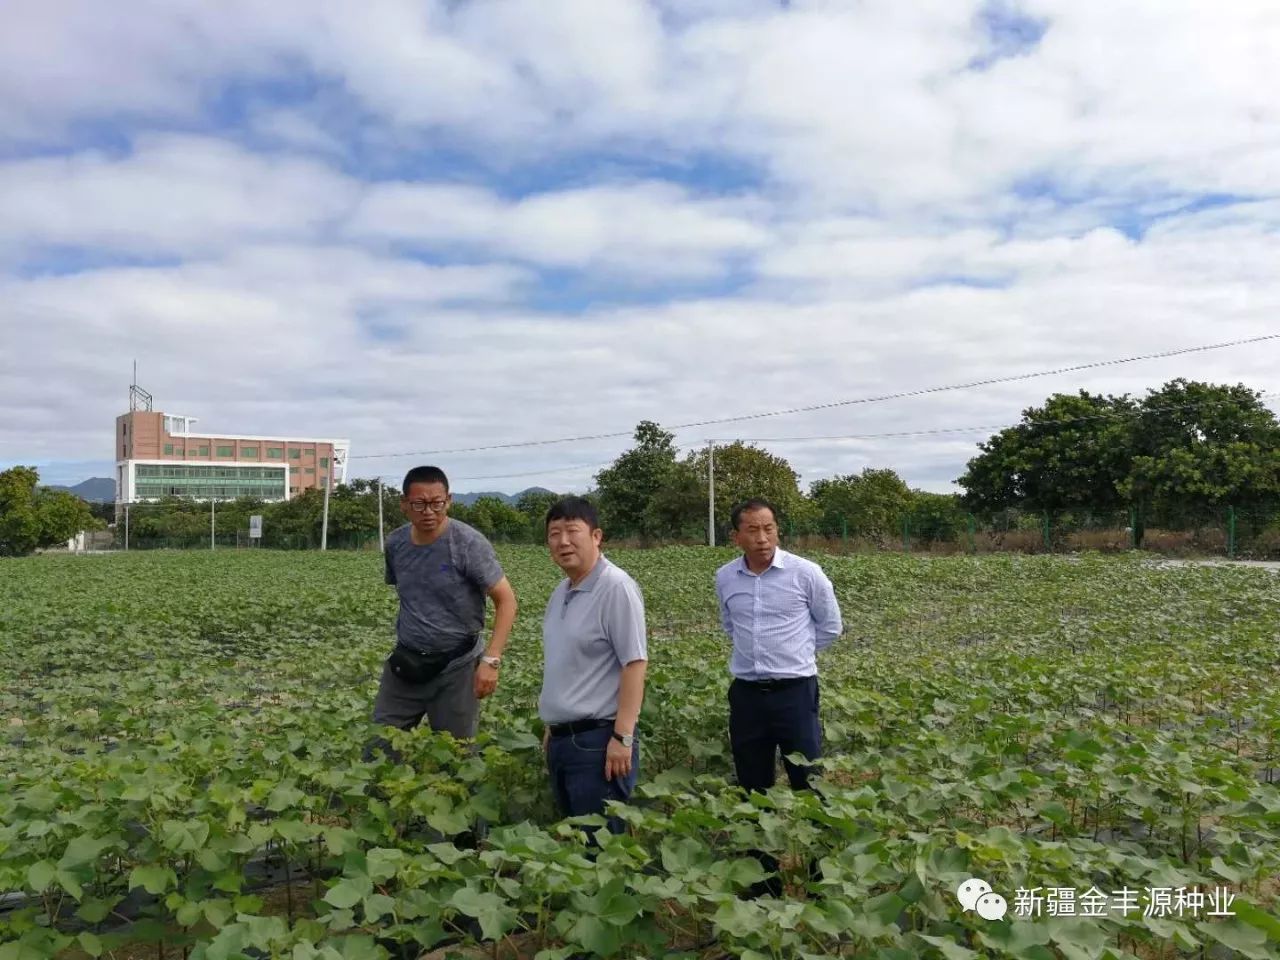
<point>589,581</point>
<point>778,561</point>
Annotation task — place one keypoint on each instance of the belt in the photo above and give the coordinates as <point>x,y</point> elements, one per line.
<point>772,683</point>
<point>578,726</point>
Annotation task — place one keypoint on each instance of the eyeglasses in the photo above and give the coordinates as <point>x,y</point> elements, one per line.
<point>422,506</point>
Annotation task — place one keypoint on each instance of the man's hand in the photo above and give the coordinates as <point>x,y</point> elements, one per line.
<point>486,680</point>
<point>617,760</point>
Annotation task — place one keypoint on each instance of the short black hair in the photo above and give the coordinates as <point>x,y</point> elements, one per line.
<point>574,508</point>
<point>755,503</point>
<point>424,475</point>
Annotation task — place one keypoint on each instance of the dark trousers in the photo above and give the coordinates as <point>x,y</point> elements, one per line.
<point>576,764</point>
<point>764,720</point>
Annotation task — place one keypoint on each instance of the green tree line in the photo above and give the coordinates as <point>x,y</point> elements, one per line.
<point>1172,459</point>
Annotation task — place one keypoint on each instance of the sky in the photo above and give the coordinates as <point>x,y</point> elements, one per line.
<point>425,225</point>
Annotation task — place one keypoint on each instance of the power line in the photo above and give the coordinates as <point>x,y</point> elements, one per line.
<point>983,427</point>
<point>880,398</point>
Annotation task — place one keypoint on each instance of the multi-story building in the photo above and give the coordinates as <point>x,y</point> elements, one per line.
<point>161,455</point>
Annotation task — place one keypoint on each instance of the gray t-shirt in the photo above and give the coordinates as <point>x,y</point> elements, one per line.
<point>589,633</point>
<point>442,586</point>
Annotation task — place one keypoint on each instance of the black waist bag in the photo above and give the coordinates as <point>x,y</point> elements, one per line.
<point>415,667</point>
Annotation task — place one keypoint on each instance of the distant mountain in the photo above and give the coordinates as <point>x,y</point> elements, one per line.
<point>95,489</point>
<point>467,499</point>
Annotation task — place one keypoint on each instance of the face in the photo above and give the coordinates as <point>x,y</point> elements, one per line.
<point>574,546</point>
<point>757,534</point>
<point>426,505</point>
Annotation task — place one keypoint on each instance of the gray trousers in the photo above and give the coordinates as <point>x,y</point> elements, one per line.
<point>448,701</point>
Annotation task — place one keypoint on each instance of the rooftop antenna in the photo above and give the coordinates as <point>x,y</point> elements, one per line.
<point>138,398</point>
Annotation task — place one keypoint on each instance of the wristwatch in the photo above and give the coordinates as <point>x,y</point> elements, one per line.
<point>626,739</point>
<point>494,662</point>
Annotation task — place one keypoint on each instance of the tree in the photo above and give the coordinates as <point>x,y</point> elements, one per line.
<point>497,519</point>
<point>534,504</point>
<point>62,515</point>
<point>32,518</point>
<point>743,471</point>
<point>935,516</point>
<point>1179,454</point>
<point>1199,447</point>
<point>626,487</point>
<point>19,518</point>
<point>1071,453</point>
<point>869,504</point>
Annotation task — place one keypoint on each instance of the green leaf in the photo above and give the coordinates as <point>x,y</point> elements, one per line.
<point>1234,874</point>
<point>1055,812</point>
<point>383,862</point>
<point>738,918</point>
<point>95,911</point>
<point>283,797</point>
<point>84,849</point>
<point>495,915</point>
<point>620,909</point>
<point>183,836</point>
<point>1248,941</point>
<point>950,949</point>
<point>218,912</point>
<point>40,875</point>
<point>597,936</point>
<point>70,883</point>
<point>1254,916</point>
<point>378,905</point>
<point>90,944</point>
<point>153,878</point>
<point>346,893</point>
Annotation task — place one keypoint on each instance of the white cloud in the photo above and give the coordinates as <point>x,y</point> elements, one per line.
<point>175,196</point>
<point>651,228</point>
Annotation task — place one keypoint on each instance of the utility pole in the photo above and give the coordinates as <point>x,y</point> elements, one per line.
<point>382,547</point>
<point>213,520</point>
<point>126,527</point>
<point>324,522</point>
<point>711,492</point>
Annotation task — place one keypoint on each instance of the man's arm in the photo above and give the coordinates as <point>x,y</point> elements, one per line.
<point>504,616</point>
<point>824,609</point>
<point>617,760</point>
<point>726,621</point>
<point>624,624</point>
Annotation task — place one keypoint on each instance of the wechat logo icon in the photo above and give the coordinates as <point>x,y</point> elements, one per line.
<point>975,894</point>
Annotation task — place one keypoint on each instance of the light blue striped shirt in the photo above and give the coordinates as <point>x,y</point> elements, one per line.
<point>778,620</point>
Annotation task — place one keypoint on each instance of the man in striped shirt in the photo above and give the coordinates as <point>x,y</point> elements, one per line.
<point>779,610</point>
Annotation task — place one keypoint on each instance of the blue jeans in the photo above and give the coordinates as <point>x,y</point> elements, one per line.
<point>576,763</point>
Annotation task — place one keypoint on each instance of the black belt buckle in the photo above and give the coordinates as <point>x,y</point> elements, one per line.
<point>578,726</point>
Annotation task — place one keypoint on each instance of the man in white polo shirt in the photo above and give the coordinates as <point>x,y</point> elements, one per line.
<point>594,651</point>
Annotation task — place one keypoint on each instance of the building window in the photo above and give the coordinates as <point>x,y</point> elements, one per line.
<point>226,451</point>
<point>275,453</point>
<point>125,428</point>
<point>293,469</point>
<point>248,453</point>
<point>295,453</point>
<point>324,461</point>
<point>168,449</point>
<point>310,471</point>
<point>309,453</point>
<point>204,451</point>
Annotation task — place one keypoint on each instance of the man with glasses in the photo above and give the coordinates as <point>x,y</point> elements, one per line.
<point>442,570</point>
